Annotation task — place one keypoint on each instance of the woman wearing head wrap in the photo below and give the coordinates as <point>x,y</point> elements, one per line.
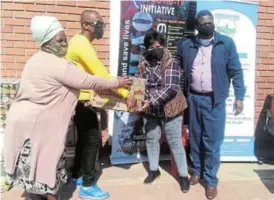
<point>38,120</point>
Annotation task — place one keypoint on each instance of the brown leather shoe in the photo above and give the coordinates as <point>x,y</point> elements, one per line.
<point>211,192</point>
<point>194,180</point>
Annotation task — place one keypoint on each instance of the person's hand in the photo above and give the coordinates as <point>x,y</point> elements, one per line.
<point>125,82</point>
<point>145,105</point>
<point>131,103</point>
<point>238,107</point>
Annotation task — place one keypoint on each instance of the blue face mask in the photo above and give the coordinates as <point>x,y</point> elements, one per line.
<point>205,42</point>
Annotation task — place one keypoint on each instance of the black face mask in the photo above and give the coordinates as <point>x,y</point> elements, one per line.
<point>99,32</point>
<point>154,55</point>
<point>206,31</point>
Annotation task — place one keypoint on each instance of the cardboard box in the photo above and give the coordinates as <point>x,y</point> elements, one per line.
<point>107,99</point>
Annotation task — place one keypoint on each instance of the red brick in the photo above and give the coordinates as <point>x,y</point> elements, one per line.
<point>68,17</point>
<point>263,29</point>
<point>30,52</point>
<point>29,37</point>
<point>107,27</point>
<point>261,9</point>
<point>259,35</point>
<point>17,22</point>
<point>271,55</point>
<point>265,22</point>
<point>265,85</point>
<point>105,62</point>
<point>7,43</point>
<point>102,48</point>
<point>35,8</point>
<point>268,36</point>
<point>266,16</point>
<point>265,48</point>
<point>87,4</point>
<point>266,73</point>
<point>24,15</point>
<point>262,54</point>
<point>258,61</point>
<point>56,9</point>
<point>74,25</point>
<point>92,4</point>
<point>46,2</point>
<point>270,10</point>
<point>24,1</point>
<point>106,20</point>
<point>259,97</point>
<point>18,29</point>
<point>259,103</point>
<point>19,66</point>
<point>14,51</point>
<point>14,37</point>
<point>103,5</point>
<point>18,73</point>
<point>263,42</point>
<point>21,59</point>
<point>268,91</point>
<point>268,3</point>
<point>73,10</point>
<point>102,55</point>
<point>26,45</point>
<point>8,59</point>
<point>67,3</point>
<point>71,32</point>
<point>8,73</point>
<point>264,79</point>
<point>5,13</point>
<point>268,61</point>
<point>6,29</point>
<point>265,67</point>
<point>12,6</point>
<point>101,42</point>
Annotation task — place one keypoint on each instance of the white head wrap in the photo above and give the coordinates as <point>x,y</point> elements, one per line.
<point>44,28</point>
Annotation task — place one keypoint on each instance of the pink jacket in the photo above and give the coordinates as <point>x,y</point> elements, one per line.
<point>42,110</point>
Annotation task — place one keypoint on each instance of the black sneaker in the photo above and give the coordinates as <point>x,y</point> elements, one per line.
<point>152,176</point>
<point>184,184</point>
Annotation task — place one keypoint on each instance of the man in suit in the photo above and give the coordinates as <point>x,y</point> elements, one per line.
<point>210,61</point>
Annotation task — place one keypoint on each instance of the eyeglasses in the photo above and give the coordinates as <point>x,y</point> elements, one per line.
<point>98,24</point>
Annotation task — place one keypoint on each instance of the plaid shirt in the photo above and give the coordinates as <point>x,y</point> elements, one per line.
<point>157,93</point>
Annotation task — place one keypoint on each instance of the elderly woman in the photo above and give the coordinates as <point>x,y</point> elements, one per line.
<point>38,120</point>
<point>163,107</point>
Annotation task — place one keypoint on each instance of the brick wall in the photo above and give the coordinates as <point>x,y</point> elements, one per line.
<point>265,54</point>
<point>17,43</point>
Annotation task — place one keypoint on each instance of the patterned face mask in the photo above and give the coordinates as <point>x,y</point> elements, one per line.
<point>154,54</point>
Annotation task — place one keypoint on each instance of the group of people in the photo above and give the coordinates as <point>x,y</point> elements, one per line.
<point>55,86</point>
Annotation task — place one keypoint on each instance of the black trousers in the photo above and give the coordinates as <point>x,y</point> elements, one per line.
<point>88,143</point>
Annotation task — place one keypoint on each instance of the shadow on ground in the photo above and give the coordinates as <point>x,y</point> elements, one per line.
<point>267,177</point>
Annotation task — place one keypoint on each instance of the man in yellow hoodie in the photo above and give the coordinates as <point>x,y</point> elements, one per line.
<point>81,52</point>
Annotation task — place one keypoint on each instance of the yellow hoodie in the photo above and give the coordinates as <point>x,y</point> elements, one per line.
<point>81,52</point>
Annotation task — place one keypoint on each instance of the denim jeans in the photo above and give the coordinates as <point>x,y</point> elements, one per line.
<point>88,143</point>
<point>173,130</point>
<point>206,131</point>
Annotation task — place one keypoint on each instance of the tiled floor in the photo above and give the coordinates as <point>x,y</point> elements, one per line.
<point>237,182</point>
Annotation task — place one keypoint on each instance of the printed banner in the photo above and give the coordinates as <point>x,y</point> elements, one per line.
<point>238,20</point>
<point>138,17</point>
<point>171,18</point>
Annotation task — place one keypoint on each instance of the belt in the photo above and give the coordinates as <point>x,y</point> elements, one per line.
<point>208,94</point>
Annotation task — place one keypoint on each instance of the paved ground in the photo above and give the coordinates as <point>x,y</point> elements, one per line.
<point>237,182</point>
